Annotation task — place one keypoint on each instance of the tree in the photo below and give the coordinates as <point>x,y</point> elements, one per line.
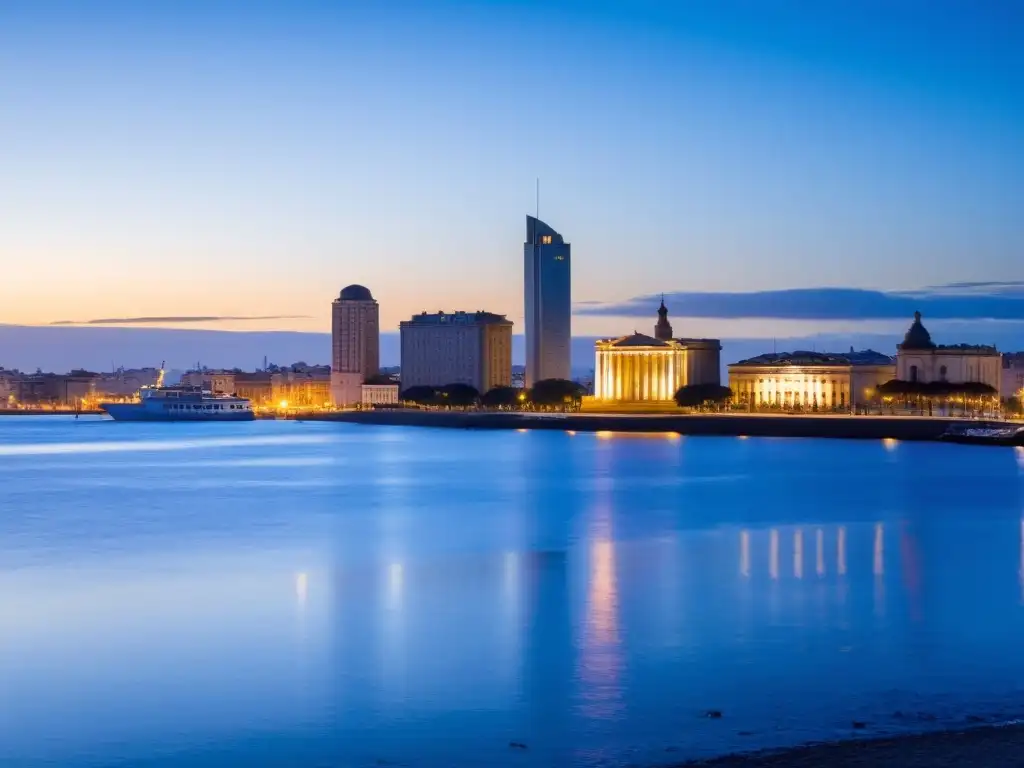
<point>458,395</point>
<point>502,397</point>
<point>421,395</point>
<point>696,395</point>
<point>557,392</point>
<point>1013,405</point>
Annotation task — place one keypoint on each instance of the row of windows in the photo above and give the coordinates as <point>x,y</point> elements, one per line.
<point>208,407</point>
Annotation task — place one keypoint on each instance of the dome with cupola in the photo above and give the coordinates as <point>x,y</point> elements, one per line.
<point>917,336</point>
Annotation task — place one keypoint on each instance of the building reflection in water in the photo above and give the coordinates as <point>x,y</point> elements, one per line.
<point>773,553</point>
<point>1020,572</point>
<point>301,589</point>
<point>841,551</point>
<point>601,659</point>
<point>819,552</point>
<point>798,553</point>
<point>745,553</point>
<point>878,568</point>
<point>749,541</point>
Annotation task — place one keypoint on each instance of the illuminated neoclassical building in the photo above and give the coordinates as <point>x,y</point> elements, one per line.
<point>641,368</point>
<point>919,359</point>
<point>811,380</point>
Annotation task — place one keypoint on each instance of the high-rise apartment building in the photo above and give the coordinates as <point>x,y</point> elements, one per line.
<point>355,343</point>
<point>548,303</point>
<point>472,348</point>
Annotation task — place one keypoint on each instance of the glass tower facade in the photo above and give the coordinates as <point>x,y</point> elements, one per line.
<point>547,303</point>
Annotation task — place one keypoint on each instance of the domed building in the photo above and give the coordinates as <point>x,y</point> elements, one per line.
<point>920,360</point>
<point>355,343</point>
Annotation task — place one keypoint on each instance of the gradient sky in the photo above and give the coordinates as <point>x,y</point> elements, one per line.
<point>250,158</point>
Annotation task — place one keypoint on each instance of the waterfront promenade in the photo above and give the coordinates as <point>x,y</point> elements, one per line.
<point>916,428</point>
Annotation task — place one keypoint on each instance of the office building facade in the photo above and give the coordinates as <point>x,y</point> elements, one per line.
<point>472,348</point>
<point>547,303</point>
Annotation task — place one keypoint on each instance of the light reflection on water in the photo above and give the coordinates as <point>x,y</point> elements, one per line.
<point>303,594</point>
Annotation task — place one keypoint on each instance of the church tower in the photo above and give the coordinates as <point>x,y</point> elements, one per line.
<point>663,330</point>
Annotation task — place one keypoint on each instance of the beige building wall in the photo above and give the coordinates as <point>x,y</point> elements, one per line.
<point>956,365</point>
<point>355,336</point>
<point>462,348</point>
<point>379,394</point>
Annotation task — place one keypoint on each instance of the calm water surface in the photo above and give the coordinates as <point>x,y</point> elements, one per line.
<point>287,594</point>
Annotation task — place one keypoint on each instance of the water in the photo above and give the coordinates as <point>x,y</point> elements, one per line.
<point>288,594</point>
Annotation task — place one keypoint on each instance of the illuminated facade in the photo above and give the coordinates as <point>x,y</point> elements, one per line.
<point>809,380</point>
<point>920,360</point>
<point>355,343</point>
<point>547,303</point>
<point>640,368</point>
<point>301,389</point>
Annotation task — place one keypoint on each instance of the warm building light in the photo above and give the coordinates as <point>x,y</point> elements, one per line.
<point>604,434</point>
<point>283,405</point>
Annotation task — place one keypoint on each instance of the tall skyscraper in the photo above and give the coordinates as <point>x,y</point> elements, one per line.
<point>472,348</point>
<point>548,303</point>
<point>355,343</point>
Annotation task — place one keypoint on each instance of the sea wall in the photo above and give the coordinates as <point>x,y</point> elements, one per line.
<point>846,427</point>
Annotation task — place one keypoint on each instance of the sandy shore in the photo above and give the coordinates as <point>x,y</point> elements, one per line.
<point>992,747</point>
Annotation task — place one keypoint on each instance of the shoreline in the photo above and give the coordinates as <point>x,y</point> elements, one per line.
<point>992,746</point>
<point>916,428</point>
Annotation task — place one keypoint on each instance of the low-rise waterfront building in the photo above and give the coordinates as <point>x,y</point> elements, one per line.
<point>125,383</point>
<point>1012,383</point>
<point>254,387</point>
<point>641,368</point>
<point>301,389</point>
<point>380,394</point>
<point>473,348</point>
<point>920,361</point>
<point>810,380</point>
<point>218,382</point>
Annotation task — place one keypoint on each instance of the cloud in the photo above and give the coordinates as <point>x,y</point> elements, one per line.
<point>184,319</point>
<point>956,301</point>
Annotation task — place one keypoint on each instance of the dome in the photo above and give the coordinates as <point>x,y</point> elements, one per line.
<point>356,293</point>
<point>917,337</point>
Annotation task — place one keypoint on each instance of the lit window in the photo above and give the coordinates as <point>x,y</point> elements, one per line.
<point>545,239</point>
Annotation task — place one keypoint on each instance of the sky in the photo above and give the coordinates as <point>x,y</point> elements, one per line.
<point>775,169</point>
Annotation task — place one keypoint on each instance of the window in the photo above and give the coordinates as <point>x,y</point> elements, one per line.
<point>942,373</point>
<point>545,240</point>
<point>913,373</point>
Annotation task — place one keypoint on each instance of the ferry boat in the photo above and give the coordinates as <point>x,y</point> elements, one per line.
<point>181,404</point>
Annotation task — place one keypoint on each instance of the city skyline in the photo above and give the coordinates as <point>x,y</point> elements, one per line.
<point>779,163</point>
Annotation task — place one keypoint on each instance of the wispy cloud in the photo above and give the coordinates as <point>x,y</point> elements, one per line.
<point>956,301</point>
<point>180,319</point>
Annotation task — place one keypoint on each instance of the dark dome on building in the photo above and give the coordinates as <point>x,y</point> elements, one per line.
<point>917,337</point>
<point>356,293</point>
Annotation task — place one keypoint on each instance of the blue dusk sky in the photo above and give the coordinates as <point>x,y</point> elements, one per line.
<point>775,168</point>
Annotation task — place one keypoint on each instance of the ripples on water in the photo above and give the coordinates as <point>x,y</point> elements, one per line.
<point>277,593</point>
